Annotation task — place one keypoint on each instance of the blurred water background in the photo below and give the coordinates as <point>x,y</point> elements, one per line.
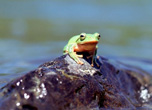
<point>35,31</point>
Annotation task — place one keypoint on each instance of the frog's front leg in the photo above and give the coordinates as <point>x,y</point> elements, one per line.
<point>74,55</point>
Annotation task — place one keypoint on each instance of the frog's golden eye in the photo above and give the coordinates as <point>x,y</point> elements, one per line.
<point>98,35</point>
<point>82,36</point>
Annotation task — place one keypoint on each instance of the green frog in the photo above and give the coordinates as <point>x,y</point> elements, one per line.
<point>82,43</point>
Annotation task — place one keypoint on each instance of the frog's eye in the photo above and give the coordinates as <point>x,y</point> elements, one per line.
<point>82,36</point>
<point>98,35</point>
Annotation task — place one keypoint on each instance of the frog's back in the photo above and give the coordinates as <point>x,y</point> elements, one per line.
<point>71,41</point>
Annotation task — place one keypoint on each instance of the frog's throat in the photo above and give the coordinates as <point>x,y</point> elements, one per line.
<point>86,46</point>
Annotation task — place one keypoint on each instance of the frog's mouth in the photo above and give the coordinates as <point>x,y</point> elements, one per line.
<point>89,42</point>
<point>87,46</point>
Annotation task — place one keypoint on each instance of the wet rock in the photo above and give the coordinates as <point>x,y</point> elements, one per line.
<point>62,84</point>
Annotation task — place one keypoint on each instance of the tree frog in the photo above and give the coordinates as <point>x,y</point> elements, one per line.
<point>82,43</point>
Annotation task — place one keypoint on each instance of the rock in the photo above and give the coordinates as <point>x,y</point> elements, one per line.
<point>62,84</point>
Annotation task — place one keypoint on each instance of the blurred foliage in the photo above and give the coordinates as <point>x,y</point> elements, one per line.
<point>120,23</point>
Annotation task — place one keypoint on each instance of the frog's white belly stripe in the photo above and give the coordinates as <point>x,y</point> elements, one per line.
<point>71,48</point>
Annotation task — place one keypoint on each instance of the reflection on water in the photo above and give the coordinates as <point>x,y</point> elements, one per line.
<point>32,32</point>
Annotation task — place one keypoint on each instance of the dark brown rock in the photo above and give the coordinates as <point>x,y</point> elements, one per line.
<point>64,85</point>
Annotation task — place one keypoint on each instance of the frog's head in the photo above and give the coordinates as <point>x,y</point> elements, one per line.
<point>88,42</point>
<point>88,38</point>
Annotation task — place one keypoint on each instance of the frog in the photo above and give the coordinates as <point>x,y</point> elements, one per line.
<point>83,42</point>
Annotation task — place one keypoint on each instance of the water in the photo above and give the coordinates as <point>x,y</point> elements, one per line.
<point>32,32</point>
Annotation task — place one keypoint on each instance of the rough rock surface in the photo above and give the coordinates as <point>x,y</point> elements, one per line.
<point>62,84</point>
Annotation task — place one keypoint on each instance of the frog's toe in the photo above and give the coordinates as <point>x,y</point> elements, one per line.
<point>80,56</point>
<point>89,56</point>
<point>80,62</point>
<point>98,57</point>
<point>97,65</point>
